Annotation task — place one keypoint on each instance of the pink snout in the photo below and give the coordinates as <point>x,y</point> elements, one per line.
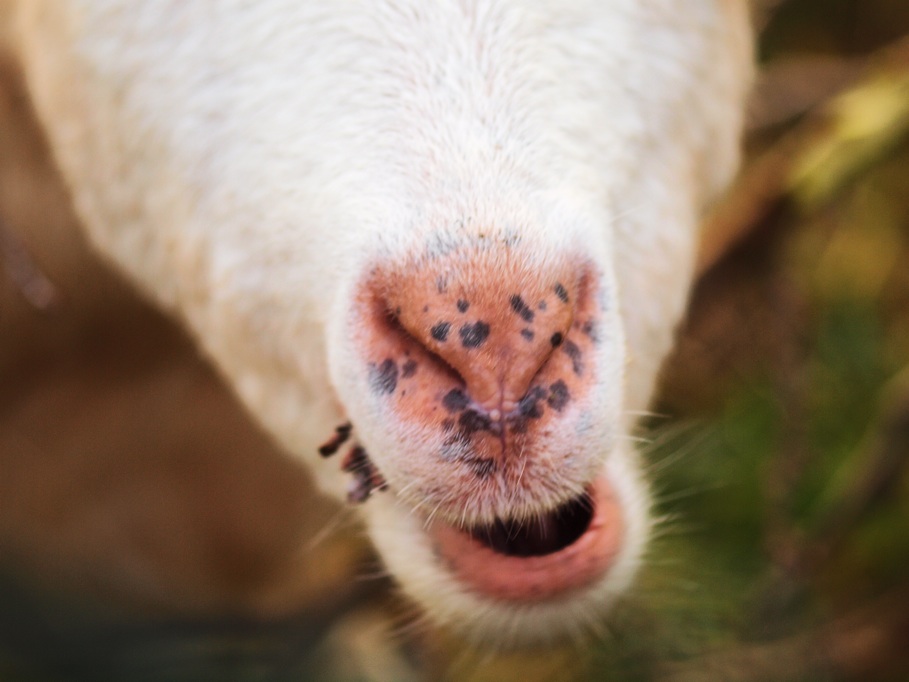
<point>487,414</point>
<point>488,354</point>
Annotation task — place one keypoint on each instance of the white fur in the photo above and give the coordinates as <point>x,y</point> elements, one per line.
<point>244,162</point>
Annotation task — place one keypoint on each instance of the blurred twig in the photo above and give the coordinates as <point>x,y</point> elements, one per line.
<point>762,11</point>
<point>28,278</point>
<point>786,89</point>
<point>808,165</point>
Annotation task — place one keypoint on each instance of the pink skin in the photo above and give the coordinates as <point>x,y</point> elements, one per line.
<point>536,578</point>
<point>460,350</point>
<point>493,360</point>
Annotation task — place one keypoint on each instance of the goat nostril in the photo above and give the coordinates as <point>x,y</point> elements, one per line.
<point>482,323</point>
<point>410,342</point>
<point>457,366</point>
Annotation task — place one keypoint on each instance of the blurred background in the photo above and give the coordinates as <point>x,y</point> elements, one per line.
<point>149,531</point>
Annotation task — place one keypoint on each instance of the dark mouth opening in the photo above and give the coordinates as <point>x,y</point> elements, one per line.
<point>537,537</point>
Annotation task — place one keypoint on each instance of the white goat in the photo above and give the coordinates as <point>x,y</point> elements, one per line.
<point>452,238</point>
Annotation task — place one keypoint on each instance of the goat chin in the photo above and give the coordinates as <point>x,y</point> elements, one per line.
<point>438,249</point>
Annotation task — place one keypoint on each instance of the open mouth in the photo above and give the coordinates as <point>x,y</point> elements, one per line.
<point>530,560</point>
<point>538,536</point>
<point>566,549</point>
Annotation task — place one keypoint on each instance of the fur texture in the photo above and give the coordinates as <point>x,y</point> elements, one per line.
<point>249,165</point>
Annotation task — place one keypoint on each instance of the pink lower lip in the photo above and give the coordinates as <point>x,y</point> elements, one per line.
<point>537,578</point>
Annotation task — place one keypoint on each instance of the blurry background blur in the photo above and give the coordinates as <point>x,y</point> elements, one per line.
<point>149,531</point>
